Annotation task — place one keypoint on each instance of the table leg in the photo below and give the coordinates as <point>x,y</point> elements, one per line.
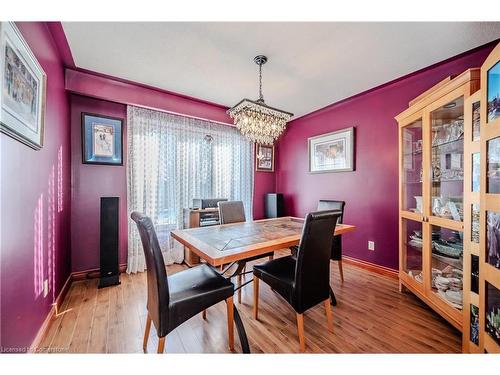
<point>245,347</point>
<point>333,300</point>
<point>241,332</point>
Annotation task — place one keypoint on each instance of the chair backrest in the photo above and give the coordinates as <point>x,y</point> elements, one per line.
<point>312,271</point>
<point>328,205</point>
<point>231,212</point>
<point>158,294</point>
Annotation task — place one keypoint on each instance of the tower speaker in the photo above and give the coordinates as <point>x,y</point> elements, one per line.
<point>109,242</point>
<point>275,206</point>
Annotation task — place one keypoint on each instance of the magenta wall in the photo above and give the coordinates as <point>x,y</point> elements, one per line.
<point>91,182</point>
<point>371,191</point>
<point>264,182</point>
<point>122,91</point>
<point>112,89</point>
<point>35,196</point>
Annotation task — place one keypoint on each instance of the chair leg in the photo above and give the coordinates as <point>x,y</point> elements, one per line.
<point>255,297</point>
<point>341,271</point>
<point>204,314</point>
<point>329,318</point>
<point>300,329</point>
<point>230,322</point>
<point>146,334</point>
<point>161,344</point>
<point>239,287</point>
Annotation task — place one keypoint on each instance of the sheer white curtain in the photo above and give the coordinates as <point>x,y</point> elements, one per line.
<point>173,159</point>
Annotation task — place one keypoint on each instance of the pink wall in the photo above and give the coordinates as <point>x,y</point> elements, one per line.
<point>265,182</point>
<point>104,95</point>
<point>122,91</point>
<point>35,196</point>
<point>91,182</point>
<point>371,191</point>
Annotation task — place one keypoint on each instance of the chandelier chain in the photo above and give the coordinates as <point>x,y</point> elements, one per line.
<point>261,97</point>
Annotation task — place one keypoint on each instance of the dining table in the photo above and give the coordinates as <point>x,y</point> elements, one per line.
<point>231,246</point>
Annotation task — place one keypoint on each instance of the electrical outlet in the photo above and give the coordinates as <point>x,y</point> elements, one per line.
<point>371,245</point>
<point>45,288</point>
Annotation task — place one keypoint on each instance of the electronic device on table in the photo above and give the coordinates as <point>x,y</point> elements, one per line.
<point>204,213</point>
<point>202,203</point>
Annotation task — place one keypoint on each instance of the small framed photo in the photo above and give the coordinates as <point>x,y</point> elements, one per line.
<point>264,158</point>
<point>23,85</point>
<point>332,152</point>
<point>494,92</point>
<point>102,138</point>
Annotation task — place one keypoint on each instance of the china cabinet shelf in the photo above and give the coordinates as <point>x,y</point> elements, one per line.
<point>446,143</point>
<point>440,259</point>
<point>419,152</point>
<point>437,182</point>
<point>446,301</point>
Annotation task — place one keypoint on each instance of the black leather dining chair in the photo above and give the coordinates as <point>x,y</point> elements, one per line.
<point>234,212</point>
<point>303,282</point>
<point>336,254</point>
<point>174,299</point>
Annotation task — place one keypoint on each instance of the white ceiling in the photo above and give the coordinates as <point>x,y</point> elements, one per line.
<point>311,65</point>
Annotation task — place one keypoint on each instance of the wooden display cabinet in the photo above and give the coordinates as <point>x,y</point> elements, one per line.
<point>433,193</point>
<point>489,246</point>
<point>472,149</point>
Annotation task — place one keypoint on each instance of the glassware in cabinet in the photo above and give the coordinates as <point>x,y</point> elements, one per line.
<point>412,167</point>
<point>447,265</point>
<point>412,248</point>
<point>447,160</point>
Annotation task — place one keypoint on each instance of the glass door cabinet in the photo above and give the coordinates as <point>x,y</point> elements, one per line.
<point>433,192</point>
<point>489,238</point>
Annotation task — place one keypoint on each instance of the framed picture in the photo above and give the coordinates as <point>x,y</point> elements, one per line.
<point>474,324</point>
<point>492,312</point>
<point>493,166</point>
<point>23,87</point>
<point>264,158</point>
<point>493,238</point>
<point>332,152</point>
<point>102,138</point>
<point>494,92</point>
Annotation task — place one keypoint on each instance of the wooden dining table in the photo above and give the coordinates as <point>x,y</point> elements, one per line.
<point>223,244</point>
<point>235,244</point>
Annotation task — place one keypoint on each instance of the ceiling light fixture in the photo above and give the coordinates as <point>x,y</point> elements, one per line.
<point>255,119</point>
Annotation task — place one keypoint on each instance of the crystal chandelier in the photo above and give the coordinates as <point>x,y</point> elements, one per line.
<point>256,120</point>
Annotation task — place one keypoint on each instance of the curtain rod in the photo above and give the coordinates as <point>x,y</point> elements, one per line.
<point>181,115</point>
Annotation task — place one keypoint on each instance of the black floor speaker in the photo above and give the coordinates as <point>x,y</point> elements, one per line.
<point>110,273</point>
<point>275,206</point>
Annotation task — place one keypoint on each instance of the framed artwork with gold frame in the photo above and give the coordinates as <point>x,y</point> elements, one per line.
<point>22,89</point>
<point>264,158</point>
<point>332,152</point>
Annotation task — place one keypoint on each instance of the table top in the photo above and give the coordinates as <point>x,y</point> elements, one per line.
<point>222,244</point>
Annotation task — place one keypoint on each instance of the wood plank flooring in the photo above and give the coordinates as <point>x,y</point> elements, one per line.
<point>371,317</point>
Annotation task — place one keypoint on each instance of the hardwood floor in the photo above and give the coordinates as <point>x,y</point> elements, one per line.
<point>371,317</point>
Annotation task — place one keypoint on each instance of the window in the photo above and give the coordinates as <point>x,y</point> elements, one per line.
<point>173,159</point>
